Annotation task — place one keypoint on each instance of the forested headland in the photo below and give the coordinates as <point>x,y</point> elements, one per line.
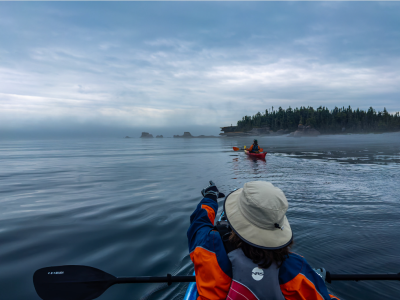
<point>324,120</point>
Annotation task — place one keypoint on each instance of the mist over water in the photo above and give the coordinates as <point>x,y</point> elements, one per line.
<point>66,129</point>
<point>123,205</point>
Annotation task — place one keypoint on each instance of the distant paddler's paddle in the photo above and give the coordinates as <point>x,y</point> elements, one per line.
<point>238,149</point>
<point>85,283</point>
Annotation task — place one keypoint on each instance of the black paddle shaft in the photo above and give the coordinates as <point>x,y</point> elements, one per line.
<point>152,279</point>
<point>330,277</point>
<point>86,283</point>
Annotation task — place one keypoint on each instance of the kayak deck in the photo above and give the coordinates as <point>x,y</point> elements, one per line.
<point>256,155</point>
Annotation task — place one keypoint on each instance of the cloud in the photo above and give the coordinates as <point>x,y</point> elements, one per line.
<point>192,64</point>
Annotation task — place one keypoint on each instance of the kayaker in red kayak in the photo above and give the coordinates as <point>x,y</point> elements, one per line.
<point>255,148</point>
<point>252,261</point>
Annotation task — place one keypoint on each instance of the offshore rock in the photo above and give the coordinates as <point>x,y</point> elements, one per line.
<point>146,135</point>
<point>189,136</point>
<point>159,136</point>
<point>186,134</point>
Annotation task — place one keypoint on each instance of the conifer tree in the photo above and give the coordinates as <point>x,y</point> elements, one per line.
<point>324,120</point>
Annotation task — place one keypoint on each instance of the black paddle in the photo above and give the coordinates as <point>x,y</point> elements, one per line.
<point>86,283</point>
<point>357,277</point>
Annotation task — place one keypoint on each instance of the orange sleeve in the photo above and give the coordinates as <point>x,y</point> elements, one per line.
<point>210,213</point>
<point>251,148</point>
<point>300,288</point>
<point>212,283</point>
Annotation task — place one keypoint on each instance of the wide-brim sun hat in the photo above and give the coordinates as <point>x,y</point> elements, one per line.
<point>257,214</point>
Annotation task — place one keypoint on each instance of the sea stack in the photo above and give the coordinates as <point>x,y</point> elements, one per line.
<point>186,134</point>
<point>146,135</point>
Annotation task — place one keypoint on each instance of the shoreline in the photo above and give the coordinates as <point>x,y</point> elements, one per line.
<point>268,135</point>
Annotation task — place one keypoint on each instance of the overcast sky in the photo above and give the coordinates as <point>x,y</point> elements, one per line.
<point>131,66</point>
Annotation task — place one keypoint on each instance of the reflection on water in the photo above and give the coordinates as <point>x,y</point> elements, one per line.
<point>248,165</point>
<point>123,205</point>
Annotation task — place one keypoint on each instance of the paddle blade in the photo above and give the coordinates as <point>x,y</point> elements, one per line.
<point>235,149</point>
<point>71,282</point>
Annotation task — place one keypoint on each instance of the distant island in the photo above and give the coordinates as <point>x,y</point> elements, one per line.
<point>307,121</point>
<point>146,135</point>
<point>188,135</point>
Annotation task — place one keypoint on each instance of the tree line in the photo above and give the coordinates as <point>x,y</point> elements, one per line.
<point>324,120</point>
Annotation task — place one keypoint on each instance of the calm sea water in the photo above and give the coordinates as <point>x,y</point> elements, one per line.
<point>123,206</point>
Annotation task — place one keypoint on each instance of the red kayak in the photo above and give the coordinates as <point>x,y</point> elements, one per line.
<point>256,155</point>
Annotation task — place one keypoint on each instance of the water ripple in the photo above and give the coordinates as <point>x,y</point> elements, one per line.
<point>123,205</point>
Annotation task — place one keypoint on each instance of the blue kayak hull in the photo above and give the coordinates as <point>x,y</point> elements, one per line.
<point>191,292</point>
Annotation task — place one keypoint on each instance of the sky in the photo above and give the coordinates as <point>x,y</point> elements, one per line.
<point>119,68</point>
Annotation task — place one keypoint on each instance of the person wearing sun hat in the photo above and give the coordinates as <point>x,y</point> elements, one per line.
<point>257,263</point>
<point>257,214</point>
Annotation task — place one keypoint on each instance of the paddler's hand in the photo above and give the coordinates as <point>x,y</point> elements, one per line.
<point>321,272</point>
<point>212,192</point>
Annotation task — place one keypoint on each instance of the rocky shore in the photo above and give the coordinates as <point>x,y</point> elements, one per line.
<point>259,131</point>
<point>304,131</point>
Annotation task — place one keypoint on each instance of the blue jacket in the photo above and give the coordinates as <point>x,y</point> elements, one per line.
<point>297,280</point>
